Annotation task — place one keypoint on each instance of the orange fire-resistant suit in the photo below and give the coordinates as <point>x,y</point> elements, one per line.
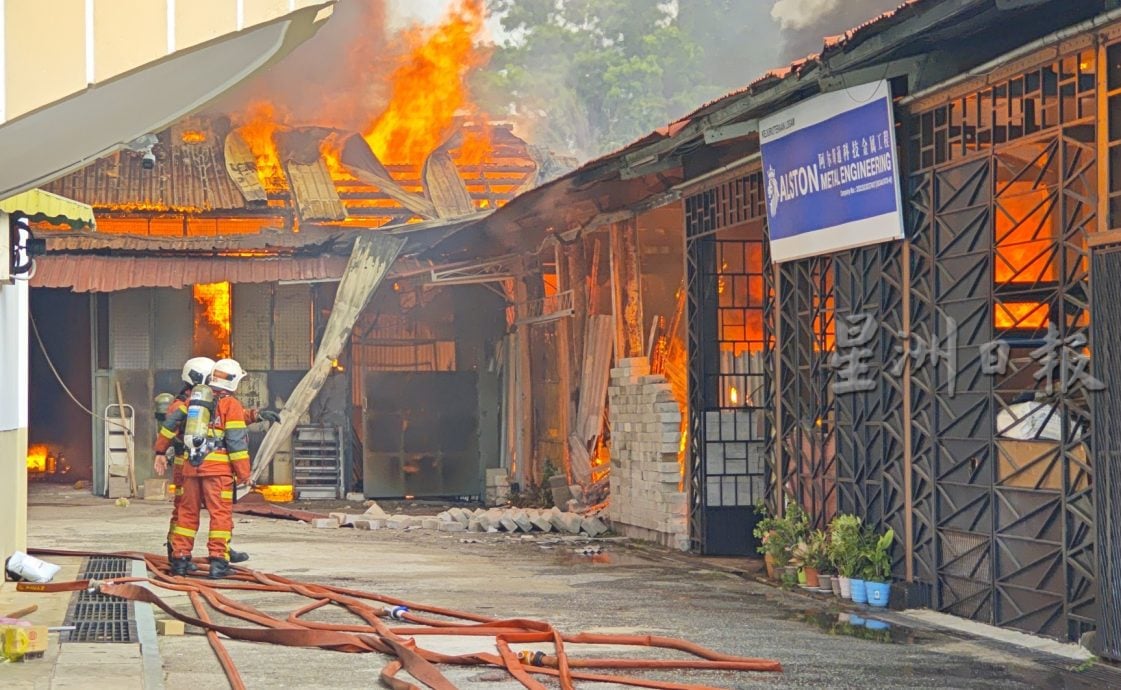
<point>171,439</point>
<point>211,484</point>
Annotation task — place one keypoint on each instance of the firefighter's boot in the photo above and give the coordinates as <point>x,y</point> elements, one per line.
<point>219,568</point>
<point>191,567</point>
<point>238,556</point>
<point>180,566</point>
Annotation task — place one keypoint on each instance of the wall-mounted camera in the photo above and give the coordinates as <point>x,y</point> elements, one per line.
<point>144,145</point>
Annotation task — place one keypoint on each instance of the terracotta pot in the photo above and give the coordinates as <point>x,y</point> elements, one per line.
<point>769,560</point>
<point>811,578</point>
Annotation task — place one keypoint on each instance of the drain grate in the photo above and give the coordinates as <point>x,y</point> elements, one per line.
<point>97,617</point>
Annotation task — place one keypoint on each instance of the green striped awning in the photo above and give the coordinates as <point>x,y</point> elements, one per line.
<point>38,205</point>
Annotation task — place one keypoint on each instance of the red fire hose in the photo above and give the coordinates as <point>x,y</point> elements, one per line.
<point>375,635</point>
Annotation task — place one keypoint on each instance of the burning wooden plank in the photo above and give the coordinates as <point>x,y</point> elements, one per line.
<point>241,165</point>
<point>308,177</point>
<point>360,160</point>
<point>444,187</point>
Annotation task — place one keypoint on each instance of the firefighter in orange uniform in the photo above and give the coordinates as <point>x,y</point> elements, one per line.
<point>209,477</point>
<point>195,371</point>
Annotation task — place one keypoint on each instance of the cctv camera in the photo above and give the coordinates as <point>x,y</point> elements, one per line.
<point>149,160</point>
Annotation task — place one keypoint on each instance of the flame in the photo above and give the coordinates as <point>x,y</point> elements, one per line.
<point>1021,315</point>
<point>37,458</point>
<point>214,298</point>
<point>277,493</point>
<point>428,87</point>
<point>259,131</point>
<point>331,151</point>
<point>193,136</point>
<point>734,395</point>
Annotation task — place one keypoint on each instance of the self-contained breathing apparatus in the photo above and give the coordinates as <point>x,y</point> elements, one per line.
<point>196,431</point>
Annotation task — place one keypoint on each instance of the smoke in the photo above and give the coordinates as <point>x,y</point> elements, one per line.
<point>798,14</point>
<point>804,24</point>
<point>337,78</point>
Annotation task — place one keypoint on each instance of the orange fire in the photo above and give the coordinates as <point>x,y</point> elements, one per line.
<point>214,298</point>
<point>428,88</point>
<point>37,458</point>
<point>331,150</point>
<point>1022,315</point>
<point>193,136</point>
<point>259,131</point>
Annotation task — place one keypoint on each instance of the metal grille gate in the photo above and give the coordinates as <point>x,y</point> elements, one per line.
<point>730,364</point>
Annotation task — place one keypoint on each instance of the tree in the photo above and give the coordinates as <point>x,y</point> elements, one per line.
<point>590,76</point>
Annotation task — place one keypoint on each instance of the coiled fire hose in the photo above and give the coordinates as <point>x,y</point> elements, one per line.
<point>374,635</point>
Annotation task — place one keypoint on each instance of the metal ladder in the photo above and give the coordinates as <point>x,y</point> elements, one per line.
<point>317,461</point>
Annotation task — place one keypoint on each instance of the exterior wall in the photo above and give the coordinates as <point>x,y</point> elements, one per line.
<point>13,414</point>
<point>646,501</point>
<point>116,37</point>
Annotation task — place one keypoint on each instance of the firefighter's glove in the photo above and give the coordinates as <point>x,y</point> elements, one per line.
<point>269,416</point>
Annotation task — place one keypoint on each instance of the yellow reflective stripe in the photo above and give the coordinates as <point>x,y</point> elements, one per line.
<point>217,457</point>
<point>166,433</point>
<point>183,531</point>
<point>220,534</point>
<point>178,491</point>
<point>228,494</point>
<point>180,459</point>
<point>235,425</point>
<point>239,455</point>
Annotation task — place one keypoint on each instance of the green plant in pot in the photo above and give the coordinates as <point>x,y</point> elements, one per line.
<point>877,567</point>
<point>845,544</point>
<point>818,559</point>
<point>774,544</point>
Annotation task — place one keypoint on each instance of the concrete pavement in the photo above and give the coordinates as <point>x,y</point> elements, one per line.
<point>623,590</point>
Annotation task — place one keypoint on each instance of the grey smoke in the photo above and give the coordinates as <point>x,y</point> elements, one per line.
<point>804,24</point>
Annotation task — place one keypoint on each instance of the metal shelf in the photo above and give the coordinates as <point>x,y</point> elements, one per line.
<point>317,461</point>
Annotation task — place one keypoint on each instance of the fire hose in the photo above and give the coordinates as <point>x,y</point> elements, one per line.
<point>399,641</point>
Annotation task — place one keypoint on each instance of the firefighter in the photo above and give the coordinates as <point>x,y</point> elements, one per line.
<point>195,371</point>
<point>210,482</point>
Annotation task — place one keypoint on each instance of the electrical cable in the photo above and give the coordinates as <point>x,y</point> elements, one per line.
<point>58,377</point>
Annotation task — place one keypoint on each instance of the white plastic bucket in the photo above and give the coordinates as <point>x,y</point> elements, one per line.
<point>32,569</point>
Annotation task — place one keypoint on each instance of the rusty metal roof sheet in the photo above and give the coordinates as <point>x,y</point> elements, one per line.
<point>88,242</point>
<point>188,176</point>
<point>89,273</point>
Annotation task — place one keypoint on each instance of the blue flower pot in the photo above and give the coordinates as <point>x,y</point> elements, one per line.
<point>859,591</point>
<point>878,593</point>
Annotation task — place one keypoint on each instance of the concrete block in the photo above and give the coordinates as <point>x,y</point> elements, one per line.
<point>344,519</point>
<point>325,523</point>
<point>460,515</point>
<point>362,523</point>
<point>508,522</point>
<point>432,523</point>
<point>475,524</point>
<point>118,487</point>
<point>542,522</point>
<point>567,522</point>
<point>445,516</point>
<point>522,520</point>
<point>355,497</point>
<point>375,511</point>
<point>452,527</point>
<point>155,490</point>
<point>169,627</point>
<point>496,476</point>
<point>593,526</point>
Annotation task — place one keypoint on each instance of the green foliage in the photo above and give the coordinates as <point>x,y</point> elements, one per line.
<point>587,77</point>
<point>876,553</point>
<point>778,536</point>
<point>535,495</point>
<point>845,544</point>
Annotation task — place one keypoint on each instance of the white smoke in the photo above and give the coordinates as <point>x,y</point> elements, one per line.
<point>798,14</point>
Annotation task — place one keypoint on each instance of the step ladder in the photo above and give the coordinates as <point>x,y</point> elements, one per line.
<point>317,461</point>
<point>120,425</point>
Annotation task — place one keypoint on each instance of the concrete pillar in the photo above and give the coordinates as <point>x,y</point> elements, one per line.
<point>13,417</point>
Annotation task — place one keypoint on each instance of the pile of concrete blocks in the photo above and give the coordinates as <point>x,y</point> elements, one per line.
<point>521,520</point>
<point>498,487</point>
<point>646,497</point>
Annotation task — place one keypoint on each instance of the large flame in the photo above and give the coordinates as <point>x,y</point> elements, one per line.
<point>214,298</point>
<point>258,128</point>
<point>37,458</point>
<point>428,88</point>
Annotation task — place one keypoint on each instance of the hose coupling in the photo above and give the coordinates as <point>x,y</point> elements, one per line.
<point>532,658</point>
<point>398,612</point>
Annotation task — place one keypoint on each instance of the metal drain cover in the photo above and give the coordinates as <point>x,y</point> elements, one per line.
<point>98,617</point>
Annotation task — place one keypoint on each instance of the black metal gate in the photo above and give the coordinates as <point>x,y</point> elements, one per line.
<point>730,364</point>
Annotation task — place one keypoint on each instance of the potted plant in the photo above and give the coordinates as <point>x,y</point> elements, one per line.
<point>771,531</point>
<point>802,557</point>
<point>844,549</point>
<point>877,568</point>
<point>817,560</point>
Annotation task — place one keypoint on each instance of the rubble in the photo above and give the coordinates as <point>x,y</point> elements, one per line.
<point>325,523</point>
<point>521,521</point>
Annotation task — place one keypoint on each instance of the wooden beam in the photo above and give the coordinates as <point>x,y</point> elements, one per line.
<point>564,362</point>
<point>369,263</point>
<point>524,395</point>
<point>626,280</point>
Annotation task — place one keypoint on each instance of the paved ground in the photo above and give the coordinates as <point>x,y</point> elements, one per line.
<point>626,590</point>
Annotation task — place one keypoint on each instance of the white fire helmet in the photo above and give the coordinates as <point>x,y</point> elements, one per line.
<point>196,370</point>
<point>226,375</point>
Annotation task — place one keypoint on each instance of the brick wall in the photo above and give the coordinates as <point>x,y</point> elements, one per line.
<point>645,437</point>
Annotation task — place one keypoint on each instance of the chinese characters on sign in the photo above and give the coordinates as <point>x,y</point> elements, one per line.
<point>1061,360</point>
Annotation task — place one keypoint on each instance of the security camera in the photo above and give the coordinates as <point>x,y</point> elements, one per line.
<point>148,161</point>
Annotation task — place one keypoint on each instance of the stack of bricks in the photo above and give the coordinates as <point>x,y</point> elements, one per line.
<point>645,439</point>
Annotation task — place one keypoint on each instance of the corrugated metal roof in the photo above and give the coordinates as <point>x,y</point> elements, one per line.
<point>39,205</point>
<point>311,238</point>
<point>109,273</point>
